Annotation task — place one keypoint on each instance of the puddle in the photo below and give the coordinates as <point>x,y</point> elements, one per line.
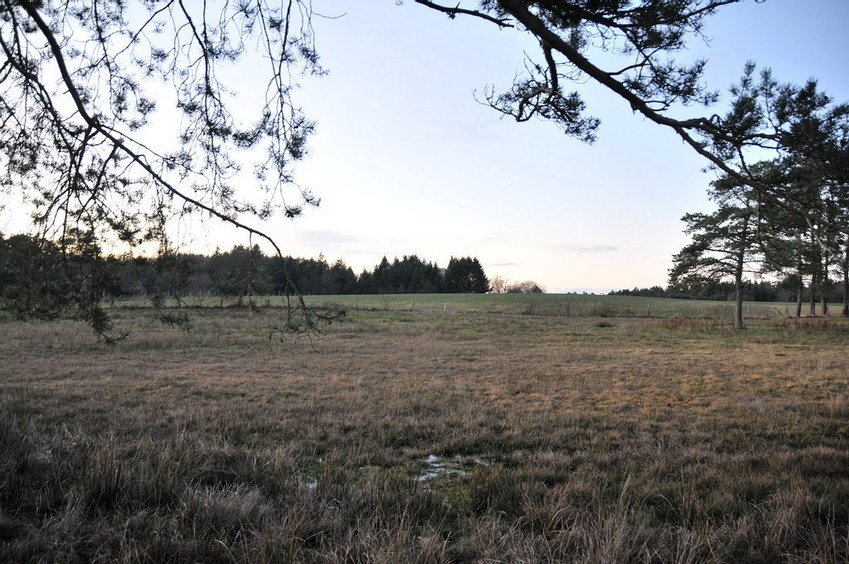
<point>427,471</point>
<point>437,466</point>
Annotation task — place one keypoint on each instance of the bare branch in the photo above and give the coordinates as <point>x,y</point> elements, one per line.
<point>457,10</point>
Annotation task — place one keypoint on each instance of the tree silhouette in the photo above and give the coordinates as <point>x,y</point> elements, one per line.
<point>632,49</point>
<point>81,138</point>
<point>465,275</point>
<point>725,242</point>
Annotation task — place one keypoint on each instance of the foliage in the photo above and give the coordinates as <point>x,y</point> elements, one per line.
<point>35,280</point>
<point>633,49</point>
<point>239,272</point>
<point>574,37</point>
<point>46,281</point>
<point>82,87</point>
<point>724,243</point>
<point>498,285</point>
<point>465,275</point>
<point>796,223</point>
<point>407,275</point>
<point>121,117</point>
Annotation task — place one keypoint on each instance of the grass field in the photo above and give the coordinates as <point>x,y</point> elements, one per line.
<point>569,305</point>
<point>416,436</point>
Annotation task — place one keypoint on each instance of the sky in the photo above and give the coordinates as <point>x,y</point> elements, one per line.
<point>406,161</point>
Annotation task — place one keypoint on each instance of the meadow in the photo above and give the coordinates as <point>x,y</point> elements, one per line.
<point>482,433</point>
<point>568,305</point>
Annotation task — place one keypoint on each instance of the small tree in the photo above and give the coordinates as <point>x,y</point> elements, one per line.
<point>724,242</point>
<point>498,285</point>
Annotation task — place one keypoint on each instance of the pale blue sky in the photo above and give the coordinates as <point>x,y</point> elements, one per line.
<point>406,162</point>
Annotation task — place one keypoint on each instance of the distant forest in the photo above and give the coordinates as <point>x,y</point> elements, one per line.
<point>786,290</point>
<point>31,271</point>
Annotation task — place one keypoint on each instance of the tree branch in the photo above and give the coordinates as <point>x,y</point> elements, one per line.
<point>457,10</point>
<point>519,10</point>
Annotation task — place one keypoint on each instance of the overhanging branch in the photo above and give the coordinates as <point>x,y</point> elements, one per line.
<point>457,10</point>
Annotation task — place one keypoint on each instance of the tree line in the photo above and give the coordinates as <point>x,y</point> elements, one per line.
<point>35,275</point>
<point>705,288</point>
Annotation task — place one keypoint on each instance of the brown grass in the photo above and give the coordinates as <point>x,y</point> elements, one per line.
<point>576,440</point>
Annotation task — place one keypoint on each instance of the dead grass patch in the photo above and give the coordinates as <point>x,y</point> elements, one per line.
<point>628,440</point>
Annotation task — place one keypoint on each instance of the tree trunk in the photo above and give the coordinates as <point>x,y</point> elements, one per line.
<point>846,278</point>
<point>738,293</point>
<point>813,300</point>
<point>825,283</point>
<point>738,309</point>
<point>800,289</point>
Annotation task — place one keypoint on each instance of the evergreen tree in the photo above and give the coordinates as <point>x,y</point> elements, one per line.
<point>465,275</point>
<point>240,273</point>
<point>724,242</point>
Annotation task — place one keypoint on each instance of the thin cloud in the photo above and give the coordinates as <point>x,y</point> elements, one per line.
<point>321,237</point>
<point>582,249</point>
<point>495,238</point>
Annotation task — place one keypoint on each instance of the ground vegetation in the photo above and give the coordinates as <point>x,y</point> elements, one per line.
<point>426,437</point>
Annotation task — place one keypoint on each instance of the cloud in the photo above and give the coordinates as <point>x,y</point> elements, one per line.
<point>493,238</point>
<point>321,237</point>
<point>582,249</point>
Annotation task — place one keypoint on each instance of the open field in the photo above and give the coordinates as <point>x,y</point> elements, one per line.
<point>415,436</point>
<point>568,305</point>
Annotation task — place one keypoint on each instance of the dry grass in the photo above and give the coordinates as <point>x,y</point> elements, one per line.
<point>579,440</point>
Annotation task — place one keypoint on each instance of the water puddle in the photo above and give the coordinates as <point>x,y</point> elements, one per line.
<point>436,467</point>
<point>426,472</point>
